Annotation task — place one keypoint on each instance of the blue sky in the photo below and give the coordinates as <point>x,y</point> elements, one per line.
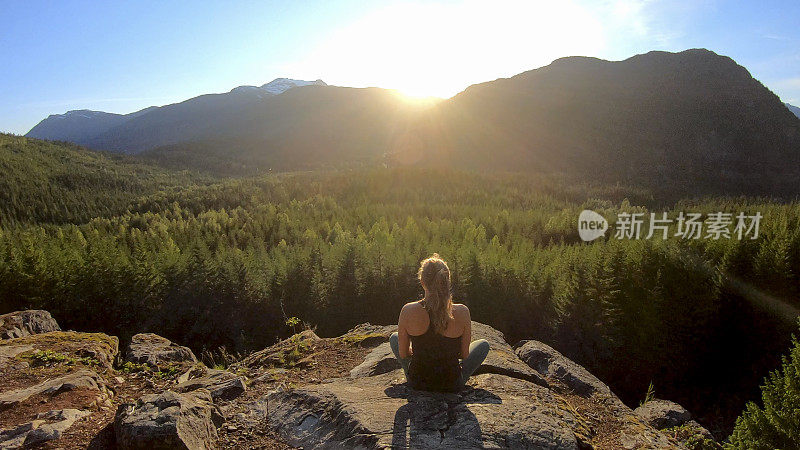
<point>124,56</point>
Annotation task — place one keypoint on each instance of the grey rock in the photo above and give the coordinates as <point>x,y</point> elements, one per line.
<point>8,352</point>
<point>157,351</point>
<point>380,360</point>
<point>25,323</point>
<point>662,414</point>
<point>553,365</point>
<point>58,421</point>
<point>13,438</point>
<point>496,411</point>
<point>46,427</point>
<point>169,420</point>
<point>222,384</point>
<point>79,379</point>
<point>501,358</point>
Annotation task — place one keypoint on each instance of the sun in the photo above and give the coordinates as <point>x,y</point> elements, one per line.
<point>438,49</point>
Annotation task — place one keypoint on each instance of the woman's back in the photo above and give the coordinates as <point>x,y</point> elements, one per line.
<point>435,360</point>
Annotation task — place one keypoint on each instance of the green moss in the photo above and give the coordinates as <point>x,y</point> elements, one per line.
<point>51,358</point>
<point>356,338</point>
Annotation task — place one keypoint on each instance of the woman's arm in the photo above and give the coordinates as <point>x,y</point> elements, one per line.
<point>466,337</point>
<point>403,341</point>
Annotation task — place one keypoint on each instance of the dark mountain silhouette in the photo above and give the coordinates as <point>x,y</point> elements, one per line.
<point>79,126</point>
<point>688,122</point>
<point>692,120</point>
<point>794,109</point>
<point>156,126</point>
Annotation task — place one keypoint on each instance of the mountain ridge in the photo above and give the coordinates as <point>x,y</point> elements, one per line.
<point>86,127</point>
<point>658,119</point>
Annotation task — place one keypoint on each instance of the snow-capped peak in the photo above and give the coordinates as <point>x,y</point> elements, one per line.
<point>280,85</point>
<point>276,86</point>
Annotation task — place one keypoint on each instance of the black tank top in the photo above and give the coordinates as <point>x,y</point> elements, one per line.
<point>434,362</point>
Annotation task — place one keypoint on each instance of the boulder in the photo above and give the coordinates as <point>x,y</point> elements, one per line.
<point>662,414</point>
<point>368,335</point>
<point>500,360</point>
<point>80,379</point>
<point>158,352</point>
<point>553,365</point>
<point>169,420</point>
<point>25,323</point>
<point>278,355</point>
<point>495,411</point>
<point>222,385</point>
<point>86,348</point>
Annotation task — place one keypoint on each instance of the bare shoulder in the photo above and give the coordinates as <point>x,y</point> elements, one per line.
<point>410,308</point>
<point>460,311</point>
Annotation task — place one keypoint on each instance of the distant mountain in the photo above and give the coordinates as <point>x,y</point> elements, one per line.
<point>794,109</point>
<point>693,122</point>
<point>690,122</point>
<point>75,126</point>
<point>108,131</point>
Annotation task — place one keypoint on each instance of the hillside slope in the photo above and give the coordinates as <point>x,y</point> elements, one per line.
<point>43,181</point>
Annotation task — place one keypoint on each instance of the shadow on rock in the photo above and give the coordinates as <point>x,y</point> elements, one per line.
<point>432,419</point>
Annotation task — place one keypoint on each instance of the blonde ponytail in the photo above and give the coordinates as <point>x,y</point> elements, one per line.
<point>435,277</point>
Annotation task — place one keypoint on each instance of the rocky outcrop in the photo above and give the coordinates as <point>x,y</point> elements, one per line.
<point>25,323</point>
<point>222,385</point>
<point>157,351</point>
<point>553,365</point>
<point>169,420</point>
<point>507,404</point>
<point>381,411</point>
<point>341,392</point>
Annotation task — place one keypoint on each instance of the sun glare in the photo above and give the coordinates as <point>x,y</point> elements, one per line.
<point>424,49</point>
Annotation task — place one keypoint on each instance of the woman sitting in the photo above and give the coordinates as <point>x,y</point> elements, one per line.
<point>434,333</point>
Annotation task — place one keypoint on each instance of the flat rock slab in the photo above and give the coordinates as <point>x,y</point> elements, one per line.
<point>495,411</point>
<point>25,323</point>
<point>553,365</point>
<point>169,420</point>
<point>222,385</point>
<point>83,378</point>
<point>157,351</point>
